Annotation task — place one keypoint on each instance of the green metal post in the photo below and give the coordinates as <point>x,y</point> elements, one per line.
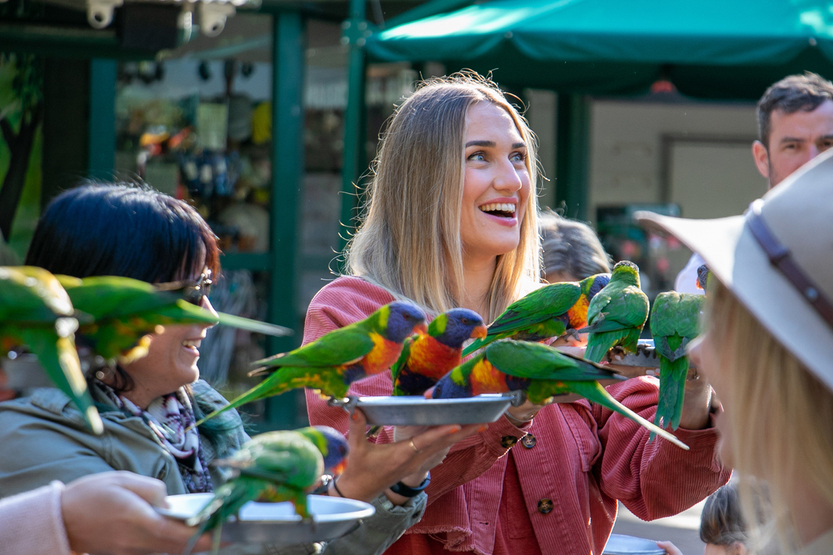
<point>101,157</point>
<point>287,182</point>
<point>572,152</point>
<point>355,33</point>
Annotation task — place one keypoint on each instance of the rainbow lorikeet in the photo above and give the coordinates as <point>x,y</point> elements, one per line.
<point>675,321</point>
<point>36,311</point>
<point>703,274</point>
<point>550,311</point>
<point>617,313</point>
<point>428,357</point>
<point>541,372</point>
<point>335,360</point>
<point>274,467</point>
<point>126,310</point>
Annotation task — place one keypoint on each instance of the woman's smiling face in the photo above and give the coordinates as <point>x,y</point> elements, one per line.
<point>497,183</point>
<point>171,361</point>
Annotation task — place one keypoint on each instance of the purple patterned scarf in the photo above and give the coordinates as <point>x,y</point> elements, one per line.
<point>171,417</point>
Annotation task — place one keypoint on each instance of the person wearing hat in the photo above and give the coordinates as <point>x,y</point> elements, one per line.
<point>767,349</point>
<point>795,124</point>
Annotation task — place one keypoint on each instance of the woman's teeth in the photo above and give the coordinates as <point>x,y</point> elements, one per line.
<point>499,207</point>
<point>192,343</point>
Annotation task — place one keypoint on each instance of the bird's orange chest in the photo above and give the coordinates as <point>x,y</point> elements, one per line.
<point>578,313</point>
<point>431,358</point>
<point>382,356</point>
<point>485,378</point>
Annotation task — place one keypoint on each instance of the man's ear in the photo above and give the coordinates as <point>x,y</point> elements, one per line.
<point>761,156</point>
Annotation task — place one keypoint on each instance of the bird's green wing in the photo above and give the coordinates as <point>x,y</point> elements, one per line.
<point>539,305</point>
<point>626,310</point>
<point>338,347</point>
<point>691,306</point>
<point>524,359</point>
<point>31,294</point>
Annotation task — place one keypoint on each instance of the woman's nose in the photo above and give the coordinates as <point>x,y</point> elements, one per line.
<point>508,177</point>
<point>206,304</point>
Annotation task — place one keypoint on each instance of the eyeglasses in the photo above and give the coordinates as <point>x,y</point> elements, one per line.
<point>200,288</point>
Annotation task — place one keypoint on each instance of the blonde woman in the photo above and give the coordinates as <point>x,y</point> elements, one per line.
<point>768,349</point>
<point>452,221</point>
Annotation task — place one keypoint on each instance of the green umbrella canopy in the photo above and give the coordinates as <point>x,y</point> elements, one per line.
<point>707,48</point>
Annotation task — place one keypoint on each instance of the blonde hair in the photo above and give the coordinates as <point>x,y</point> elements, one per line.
<point>409,238</point>
<point>781,419</point>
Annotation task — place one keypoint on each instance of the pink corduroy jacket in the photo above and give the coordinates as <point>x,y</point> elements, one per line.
<point>583,458</point>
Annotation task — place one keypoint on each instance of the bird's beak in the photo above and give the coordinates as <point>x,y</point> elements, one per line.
<point>480,332</point>
<point>339,468</point>
<point>421,328</point>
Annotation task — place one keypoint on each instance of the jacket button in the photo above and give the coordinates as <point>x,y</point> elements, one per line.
<point>529,441</point>
<point>508,441</point>
<point>545,506</point>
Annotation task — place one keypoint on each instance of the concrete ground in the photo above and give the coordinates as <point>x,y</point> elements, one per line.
<point>683,530</point>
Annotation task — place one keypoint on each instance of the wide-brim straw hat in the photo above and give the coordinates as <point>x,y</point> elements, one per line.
<point>791,296</point>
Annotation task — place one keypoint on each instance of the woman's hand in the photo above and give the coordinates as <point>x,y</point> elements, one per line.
<point>111,514</point>
<point>372,468</point>
<point>669,548</point>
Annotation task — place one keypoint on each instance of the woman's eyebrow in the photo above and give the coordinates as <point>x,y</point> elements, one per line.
<point>491,144</point>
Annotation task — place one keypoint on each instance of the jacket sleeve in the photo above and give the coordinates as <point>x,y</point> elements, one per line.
<point>343,303</point>
<point>381,530</point>
<point>33,523</point>
<point>656,479</point>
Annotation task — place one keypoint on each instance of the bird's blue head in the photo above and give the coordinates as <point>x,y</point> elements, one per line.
<point>447,388</point>
<point>333,447</point>
<point>593,284</point>
<point>402,319</point>
<point>702,277</point>
<point>454,327</point>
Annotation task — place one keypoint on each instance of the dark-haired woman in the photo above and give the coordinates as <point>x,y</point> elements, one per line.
<point>148,405</point>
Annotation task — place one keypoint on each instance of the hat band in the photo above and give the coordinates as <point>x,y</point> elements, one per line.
<point>781,257</point>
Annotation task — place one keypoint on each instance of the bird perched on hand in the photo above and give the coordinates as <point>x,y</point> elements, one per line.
<point>125,311</point>
<point>36,311</point>
<point>273,467</point>
<point>541,372</point>
<point>675,321</point>
<point>335,360</point>
<point>428,357</point>
<point>617,313</point>
<point>549,311</point>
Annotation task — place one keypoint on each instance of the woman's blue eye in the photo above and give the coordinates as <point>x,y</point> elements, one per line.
<point>477,156</point>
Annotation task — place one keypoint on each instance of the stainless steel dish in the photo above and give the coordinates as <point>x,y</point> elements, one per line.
<point>419,411</point>
<point>277,524</point>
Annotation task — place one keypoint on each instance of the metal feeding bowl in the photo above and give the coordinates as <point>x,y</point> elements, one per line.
<point>419,411</point>
<point>277,524</point>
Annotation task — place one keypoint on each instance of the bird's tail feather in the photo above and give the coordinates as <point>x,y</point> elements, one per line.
<point>596,393</point>
<point>671,392</point>
<point>270,387</point>
<point>599,344</point>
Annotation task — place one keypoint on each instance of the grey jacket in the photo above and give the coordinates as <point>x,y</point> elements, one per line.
<point>43,438</point>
